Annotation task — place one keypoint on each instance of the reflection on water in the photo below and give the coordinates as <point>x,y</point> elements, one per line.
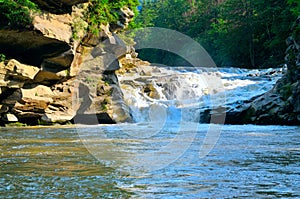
<point>53,163</point>
<point>247,162</point>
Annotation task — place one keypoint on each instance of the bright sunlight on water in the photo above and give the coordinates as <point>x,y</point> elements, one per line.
<point>247,162</point>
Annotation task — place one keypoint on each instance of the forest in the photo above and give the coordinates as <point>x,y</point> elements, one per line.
<point>236,33</point>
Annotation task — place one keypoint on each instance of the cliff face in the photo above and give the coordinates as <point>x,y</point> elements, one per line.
<point>55,71</point>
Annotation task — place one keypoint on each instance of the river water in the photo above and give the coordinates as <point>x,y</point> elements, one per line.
<point>167,153</point>
<point>153,93</point>
<point>247,161</point>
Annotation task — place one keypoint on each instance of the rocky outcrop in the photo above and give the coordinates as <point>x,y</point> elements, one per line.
<point>281,105</point>
<point>50,76</point>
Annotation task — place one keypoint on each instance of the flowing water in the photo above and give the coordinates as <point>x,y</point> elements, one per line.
<point>167,153</point>
<point>247,162</point>
<point>150,89</point>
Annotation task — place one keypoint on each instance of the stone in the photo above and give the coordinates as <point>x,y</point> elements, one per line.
<point>10,118</point>
<point>107,62</point>
<point>46,76</point>
<point>40,93</point>
<point>54,76</point>
<point>30,46</point>
<point>12,98</point>
<point>14,84</point>
<point>3,108</point>
<point>28,117</point>
<point>125,16</point>
<point>58,116</point>
<point>63,107</point>
<point>30,103</point>
<point>100,94</point>
<point>54,26</point>
<point>15,68</point>
<point>146,71</point>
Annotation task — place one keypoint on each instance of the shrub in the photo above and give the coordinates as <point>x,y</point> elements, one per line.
<point>16,12</point>
<point>2,57</point>
<point>103,12</point>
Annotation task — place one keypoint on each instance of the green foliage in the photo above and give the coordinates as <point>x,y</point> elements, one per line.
<point>16,12</point>
<point>78,26</point>
<point>286,91</point>
<point>248,33</point>
<point>2,57</point>
<point>104,11</point>
<point>16,124</point>
<point>294,7</point>
<point>89,80</point>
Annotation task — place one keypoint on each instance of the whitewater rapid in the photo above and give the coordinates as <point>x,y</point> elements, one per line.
<point>158,93</point>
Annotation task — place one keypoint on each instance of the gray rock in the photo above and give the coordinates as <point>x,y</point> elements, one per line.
<point>282,104</point>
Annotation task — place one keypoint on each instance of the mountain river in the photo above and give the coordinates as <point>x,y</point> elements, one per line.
<point>166,153</point>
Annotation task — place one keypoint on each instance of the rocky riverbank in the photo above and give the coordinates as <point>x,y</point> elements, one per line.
<point>152,85</point>
<point>54,69</point>
<point>281,105</point>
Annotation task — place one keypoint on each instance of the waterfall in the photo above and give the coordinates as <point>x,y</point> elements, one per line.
<point>160,94</point>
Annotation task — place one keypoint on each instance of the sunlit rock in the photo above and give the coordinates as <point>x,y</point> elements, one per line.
<point>20,71</point>
<point>10,118</point>
<point>58,71</point>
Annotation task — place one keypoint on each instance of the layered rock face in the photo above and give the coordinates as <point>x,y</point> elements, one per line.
<point>51,76</point>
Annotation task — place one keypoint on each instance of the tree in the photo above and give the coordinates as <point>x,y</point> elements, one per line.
<point>242,33</point>
<point>295,7</point>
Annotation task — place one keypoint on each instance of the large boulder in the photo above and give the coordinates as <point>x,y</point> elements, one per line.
<point>29,104</point>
